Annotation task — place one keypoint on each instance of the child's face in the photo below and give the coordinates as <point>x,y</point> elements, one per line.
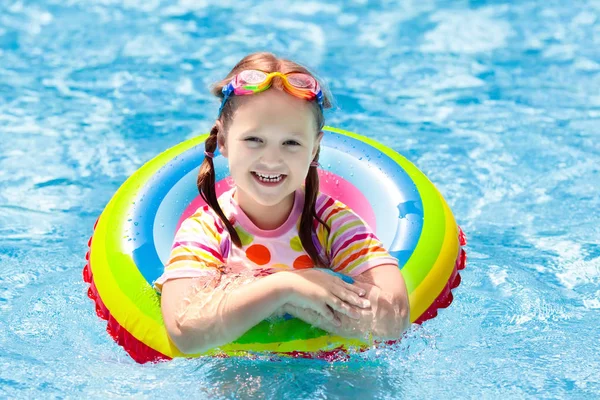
<point>271,133</point>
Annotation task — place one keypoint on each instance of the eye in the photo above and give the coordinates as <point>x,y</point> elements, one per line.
<point>252,139</point>
<point>293,143</point>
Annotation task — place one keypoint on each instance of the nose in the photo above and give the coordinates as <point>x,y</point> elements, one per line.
<point>271,158</point>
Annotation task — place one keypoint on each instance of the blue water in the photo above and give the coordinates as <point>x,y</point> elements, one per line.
<point>498,103</point>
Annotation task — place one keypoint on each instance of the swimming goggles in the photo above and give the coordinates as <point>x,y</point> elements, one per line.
<point>253,81</point>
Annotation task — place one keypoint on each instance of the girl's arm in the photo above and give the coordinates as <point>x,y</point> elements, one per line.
<point>351,246</point>
<point>203,315</point>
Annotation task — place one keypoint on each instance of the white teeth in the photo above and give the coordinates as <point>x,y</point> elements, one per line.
<point>269,178</point>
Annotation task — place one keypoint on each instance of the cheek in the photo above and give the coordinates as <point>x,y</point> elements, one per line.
<point>299,162</point>
<point>239,155</point>
<point>241,161</point>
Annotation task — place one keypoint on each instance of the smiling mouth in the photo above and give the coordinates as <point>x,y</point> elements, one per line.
<point>269,178</point>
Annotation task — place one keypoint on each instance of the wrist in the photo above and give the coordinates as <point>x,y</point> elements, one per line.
<point>282,287</point>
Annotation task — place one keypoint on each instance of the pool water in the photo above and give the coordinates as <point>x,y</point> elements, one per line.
<point>497,102</point>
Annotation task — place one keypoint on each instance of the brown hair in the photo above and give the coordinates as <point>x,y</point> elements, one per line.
<point>268,63</point>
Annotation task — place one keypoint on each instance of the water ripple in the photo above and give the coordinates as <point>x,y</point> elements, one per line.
<point>495,101</point>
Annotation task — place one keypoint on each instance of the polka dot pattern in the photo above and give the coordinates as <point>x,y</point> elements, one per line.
<point>296,244</point>
<point>303,262</point>
<point>258,254</point>
<point>279,266</point>
<point>245,237</point>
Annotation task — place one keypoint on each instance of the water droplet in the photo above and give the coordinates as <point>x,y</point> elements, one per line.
<point>136,223</point>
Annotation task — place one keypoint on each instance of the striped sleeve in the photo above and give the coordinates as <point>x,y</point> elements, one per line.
<point>196,250</point>
<point>351,246</point>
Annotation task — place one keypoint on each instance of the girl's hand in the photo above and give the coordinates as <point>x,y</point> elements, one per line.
<point>311,317</point>
<point>322,292</point>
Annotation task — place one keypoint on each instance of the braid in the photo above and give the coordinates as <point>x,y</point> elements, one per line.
<point>206,185</point>
<point>309,215</point>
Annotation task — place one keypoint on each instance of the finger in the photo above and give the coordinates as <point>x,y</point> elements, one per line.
<point>351,297</point>
<point>316,319</point>
<point>342,277</point>
<point>342,307</point>
<point>327,314</point>
<point>354,288</point>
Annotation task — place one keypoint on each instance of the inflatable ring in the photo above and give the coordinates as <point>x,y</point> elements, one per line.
<point>133,236</point>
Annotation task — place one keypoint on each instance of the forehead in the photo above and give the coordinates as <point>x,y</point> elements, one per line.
<point>273,108</point>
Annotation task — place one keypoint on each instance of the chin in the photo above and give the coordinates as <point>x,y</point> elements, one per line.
<point>266,199</point>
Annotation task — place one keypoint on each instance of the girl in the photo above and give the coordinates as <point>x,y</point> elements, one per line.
<point>251,254</point>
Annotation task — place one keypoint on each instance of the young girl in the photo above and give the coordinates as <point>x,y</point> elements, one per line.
<point>268,246</point>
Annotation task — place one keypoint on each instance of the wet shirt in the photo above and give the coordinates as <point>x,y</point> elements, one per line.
<point>203,246</point>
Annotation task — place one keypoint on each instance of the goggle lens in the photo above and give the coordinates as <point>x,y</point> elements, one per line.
<point>251,77</point>
<point>301,81</point>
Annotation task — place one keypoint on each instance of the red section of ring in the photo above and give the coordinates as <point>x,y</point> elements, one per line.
<point>445,298</point>
<point>142,353</point>
<point>139,351</point>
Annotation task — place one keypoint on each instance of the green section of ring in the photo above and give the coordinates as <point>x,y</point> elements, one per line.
<point>432,236</point>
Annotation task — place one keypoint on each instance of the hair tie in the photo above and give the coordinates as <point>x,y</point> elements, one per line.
<point>209,154</point>
<point>315,164</point>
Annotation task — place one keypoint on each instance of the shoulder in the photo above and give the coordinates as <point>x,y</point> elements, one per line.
<point>206,221</point>
<point>202,220</point>
<point>331,210</point>
<point>344,223</point>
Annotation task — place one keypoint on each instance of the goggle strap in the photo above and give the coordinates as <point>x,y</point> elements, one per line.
<point>226,93</point>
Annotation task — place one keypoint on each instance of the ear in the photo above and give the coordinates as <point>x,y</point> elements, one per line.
<point>221,139</point>
<point>317,144</point>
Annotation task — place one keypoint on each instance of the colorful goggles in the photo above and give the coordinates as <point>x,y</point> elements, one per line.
<point>253,81</point>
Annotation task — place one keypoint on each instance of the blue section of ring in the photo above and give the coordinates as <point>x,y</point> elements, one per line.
<point>390,191</point>
<point>150,198</point>
<point>175,202</point>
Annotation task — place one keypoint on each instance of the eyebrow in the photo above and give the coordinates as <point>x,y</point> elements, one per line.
<point>248,132</point>
<point>253,132</point>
